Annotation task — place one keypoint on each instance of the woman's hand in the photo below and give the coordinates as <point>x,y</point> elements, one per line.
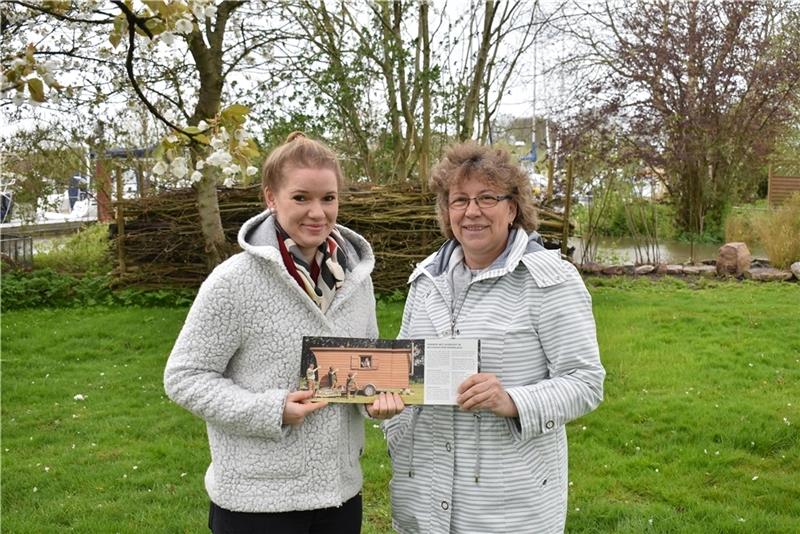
<point>295,409</point>
<point>483,391</point>
<point>385,406</point>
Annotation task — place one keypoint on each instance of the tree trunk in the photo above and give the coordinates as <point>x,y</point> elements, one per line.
<point>423,147</point>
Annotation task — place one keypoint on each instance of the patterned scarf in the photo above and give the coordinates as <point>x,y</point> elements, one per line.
<point>324,276</point>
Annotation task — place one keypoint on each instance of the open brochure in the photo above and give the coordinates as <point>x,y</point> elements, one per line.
<point>356,370</point>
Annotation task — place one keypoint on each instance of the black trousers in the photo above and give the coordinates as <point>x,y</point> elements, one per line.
<point>345,519</point>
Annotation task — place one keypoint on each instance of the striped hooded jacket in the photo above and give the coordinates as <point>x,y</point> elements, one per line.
<point>463,472</point>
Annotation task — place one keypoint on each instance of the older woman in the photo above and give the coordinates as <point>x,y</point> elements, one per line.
<point>497,462</point>
<point>279,463</point>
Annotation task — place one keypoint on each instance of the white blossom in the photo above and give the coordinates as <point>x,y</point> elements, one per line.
<point>79,397</point>
<point>251,171</point>
<point>168,38</point>
<point>196,177</point>
<point>159,168</point>
<point>220,158</point>
<point>200,164</point>
<point>178,167</point>
<point>229,182</point>
<point>184,26</point>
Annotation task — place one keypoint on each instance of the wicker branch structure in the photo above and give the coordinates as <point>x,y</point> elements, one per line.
<point>160,243</point>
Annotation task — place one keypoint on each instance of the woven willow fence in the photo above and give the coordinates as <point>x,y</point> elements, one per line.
<point>159,243</point>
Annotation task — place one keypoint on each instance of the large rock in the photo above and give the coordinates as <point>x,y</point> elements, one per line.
<point>734,259</point>
<point>795,268</point>
<point>767,274</point>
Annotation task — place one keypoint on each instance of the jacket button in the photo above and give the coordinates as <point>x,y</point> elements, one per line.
<point>549,425</point>
<point>448,447</point>
<point>445,505</point>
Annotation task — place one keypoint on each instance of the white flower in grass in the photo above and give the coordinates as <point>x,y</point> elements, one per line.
<point>159,168</point>
<point>79,397</point>
<point>35,489</point>
<point>755,478</point>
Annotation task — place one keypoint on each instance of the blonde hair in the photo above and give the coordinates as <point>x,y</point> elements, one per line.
<point>469,160</point>
<point>300,152</point>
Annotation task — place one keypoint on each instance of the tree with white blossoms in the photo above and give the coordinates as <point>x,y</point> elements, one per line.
<point>178,57</point>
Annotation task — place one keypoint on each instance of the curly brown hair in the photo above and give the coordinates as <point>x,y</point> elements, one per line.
<point>301,152</point>
<point>492,165</point>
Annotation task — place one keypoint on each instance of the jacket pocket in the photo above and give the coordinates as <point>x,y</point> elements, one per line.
<point>533,463</point>
<point>260,458</point>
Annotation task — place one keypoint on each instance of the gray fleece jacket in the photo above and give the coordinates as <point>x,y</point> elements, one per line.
<point>238,357</point>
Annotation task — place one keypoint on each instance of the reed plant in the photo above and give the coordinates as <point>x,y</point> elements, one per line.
<point>779,233</point>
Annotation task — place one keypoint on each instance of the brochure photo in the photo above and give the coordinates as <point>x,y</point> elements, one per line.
<point>356,370</point>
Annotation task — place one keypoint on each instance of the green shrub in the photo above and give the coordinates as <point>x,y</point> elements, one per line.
<point>779,232</point>
<point>87,252</point>
<point>741,224</point>
<point>45,288</point>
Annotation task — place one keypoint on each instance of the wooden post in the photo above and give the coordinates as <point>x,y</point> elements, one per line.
<point>567,206</point>
<point>120,221</point>
<point>550,170</point>
<point>769,185</point>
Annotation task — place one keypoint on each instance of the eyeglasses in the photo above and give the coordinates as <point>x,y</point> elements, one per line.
<point>483,201</point>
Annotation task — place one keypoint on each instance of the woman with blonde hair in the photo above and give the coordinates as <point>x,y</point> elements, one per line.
<point>279,463</point>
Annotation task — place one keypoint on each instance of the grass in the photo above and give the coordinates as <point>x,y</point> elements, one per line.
<point>698,432</point>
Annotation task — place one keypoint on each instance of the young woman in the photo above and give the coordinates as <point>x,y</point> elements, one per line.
<point>279,464</point>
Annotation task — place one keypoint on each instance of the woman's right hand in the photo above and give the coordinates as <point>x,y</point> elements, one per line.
<point>296,408</point>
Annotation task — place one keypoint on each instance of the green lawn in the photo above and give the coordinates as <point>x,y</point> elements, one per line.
<point>698,432</point>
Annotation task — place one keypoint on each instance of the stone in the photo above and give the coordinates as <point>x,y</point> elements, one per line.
<point>733,259</point>
<point>795,268</point>
<point>768,274</point>
<point>591,267</point>
<point>644,269</point>
<point>673,269</point>
<point>708,271</point>
<point>614,270</point>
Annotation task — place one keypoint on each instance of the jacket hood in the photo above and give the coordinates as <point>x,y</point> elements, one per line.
<point>519,243</point>
<point>258,237</point>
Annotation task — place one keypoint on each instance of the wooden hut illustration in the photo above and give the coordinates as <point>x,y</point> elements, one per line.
<point>375,369</point>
